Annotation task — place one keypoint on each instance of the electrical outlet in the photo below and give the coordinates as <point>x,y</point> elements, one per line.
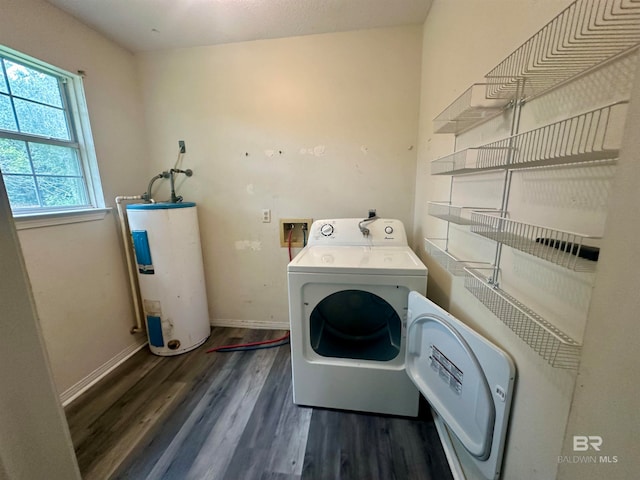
<point>266,215</point>
<point>295,230</point>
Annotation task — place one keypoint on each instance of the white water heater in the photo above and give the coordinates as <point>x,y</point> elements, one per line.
<point>166,240</point>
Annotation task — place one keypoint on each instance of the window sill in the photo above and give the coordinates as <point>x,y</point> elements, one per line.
<point>37,220</point>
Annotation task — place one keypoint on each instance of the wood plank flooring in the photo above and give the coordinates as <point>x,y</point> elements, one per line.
<point>231,416</point>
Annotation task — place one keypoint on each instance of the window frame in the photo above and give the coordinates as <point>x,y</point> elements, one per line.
<point>75,106</point>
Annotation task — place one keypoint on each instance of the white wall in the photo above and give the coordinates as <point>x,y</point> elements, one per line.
<point>462,41</point>
<point>76,270</point>
<point>605,403</point>
<point>35,440</point>
<point>310,127</point>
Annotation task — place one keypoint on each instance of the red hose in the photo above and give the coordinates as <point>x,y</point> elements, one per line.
<point>289,242</point>
<point>264,342</point>
<point>251,344</point>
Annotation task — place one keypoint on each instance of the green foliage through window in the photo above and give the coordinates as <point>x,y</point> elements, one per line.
<point>40,157</point>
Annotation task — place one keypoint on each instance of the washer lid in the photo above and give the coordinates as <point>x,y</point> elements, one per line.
<point>358,259</point>
<point>465,378</point>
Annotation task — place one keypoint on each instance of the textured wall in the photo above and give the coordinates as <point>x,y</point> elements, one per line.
<point>309,127</point>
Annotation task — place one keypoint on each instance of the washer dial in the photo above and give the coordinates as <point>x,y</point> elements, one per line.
<point>326,229</point>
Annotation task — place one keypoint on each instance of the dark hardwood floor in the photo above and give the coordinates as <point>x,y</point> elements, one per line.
<point>231,416</point>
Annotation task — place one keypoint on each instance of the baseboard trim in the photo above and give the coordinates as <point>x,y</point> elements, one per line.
<point>259,324</point>
<point>73,392</point>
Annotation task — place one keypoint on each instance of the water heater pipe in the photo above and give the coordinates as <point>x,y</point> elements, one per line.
<point>135,294</point>
<point>188,172</point>
<point>148,196</point>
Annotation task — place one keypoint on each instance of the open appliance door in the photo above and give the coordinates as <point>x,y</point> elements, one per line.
<point>467,380</point>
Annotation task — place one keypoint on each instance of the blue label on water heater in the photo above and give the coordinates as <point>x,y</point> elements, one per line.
<point>154,329</point>
<point>142,251</point>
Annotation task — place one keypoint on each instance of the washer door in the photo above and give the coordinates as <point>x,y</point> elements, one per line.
<point>466,379</point>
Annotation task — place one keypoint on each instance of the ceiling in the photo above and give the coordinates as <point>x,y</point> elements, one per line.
<point>146,25</point>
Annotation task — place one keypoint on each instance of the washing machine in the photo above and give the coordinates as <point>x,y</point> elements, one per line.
<point>348,294</point>
<point>364,338</point>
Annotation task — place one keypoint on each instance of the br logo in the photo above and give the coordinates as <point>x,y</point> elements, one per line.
<point>582,443</point>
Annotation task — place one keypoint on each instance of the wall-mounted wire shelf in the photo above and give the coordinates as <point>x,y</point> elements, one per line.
<point>565,249</point>
<point>590,136</point>
<point>471,160</point>
<point>593,135</point>
<point>555,346</point>
<point>455,213</point>
<point>468,110</point>
<point>585,35</point>
<point>437,249</point>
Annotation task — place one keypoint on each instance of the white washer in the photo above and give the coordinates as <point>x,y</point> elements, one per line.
<point>348,298</point>
<point>364,338</point>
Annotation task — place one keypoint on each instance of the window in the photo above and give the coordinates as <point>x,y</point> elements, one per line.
<point>46,154</point>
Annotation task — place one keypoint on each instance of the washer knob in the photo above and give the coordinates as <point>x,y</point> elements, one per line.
<point>326,229</point>
<point>388,229</point>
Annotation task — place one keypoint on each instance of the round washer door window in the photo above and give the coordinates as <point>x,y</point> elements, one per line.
<point>355,324</point>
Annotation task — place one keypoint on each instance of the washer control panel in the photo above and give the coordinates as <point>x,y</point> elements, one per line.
<point>358,231</point>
